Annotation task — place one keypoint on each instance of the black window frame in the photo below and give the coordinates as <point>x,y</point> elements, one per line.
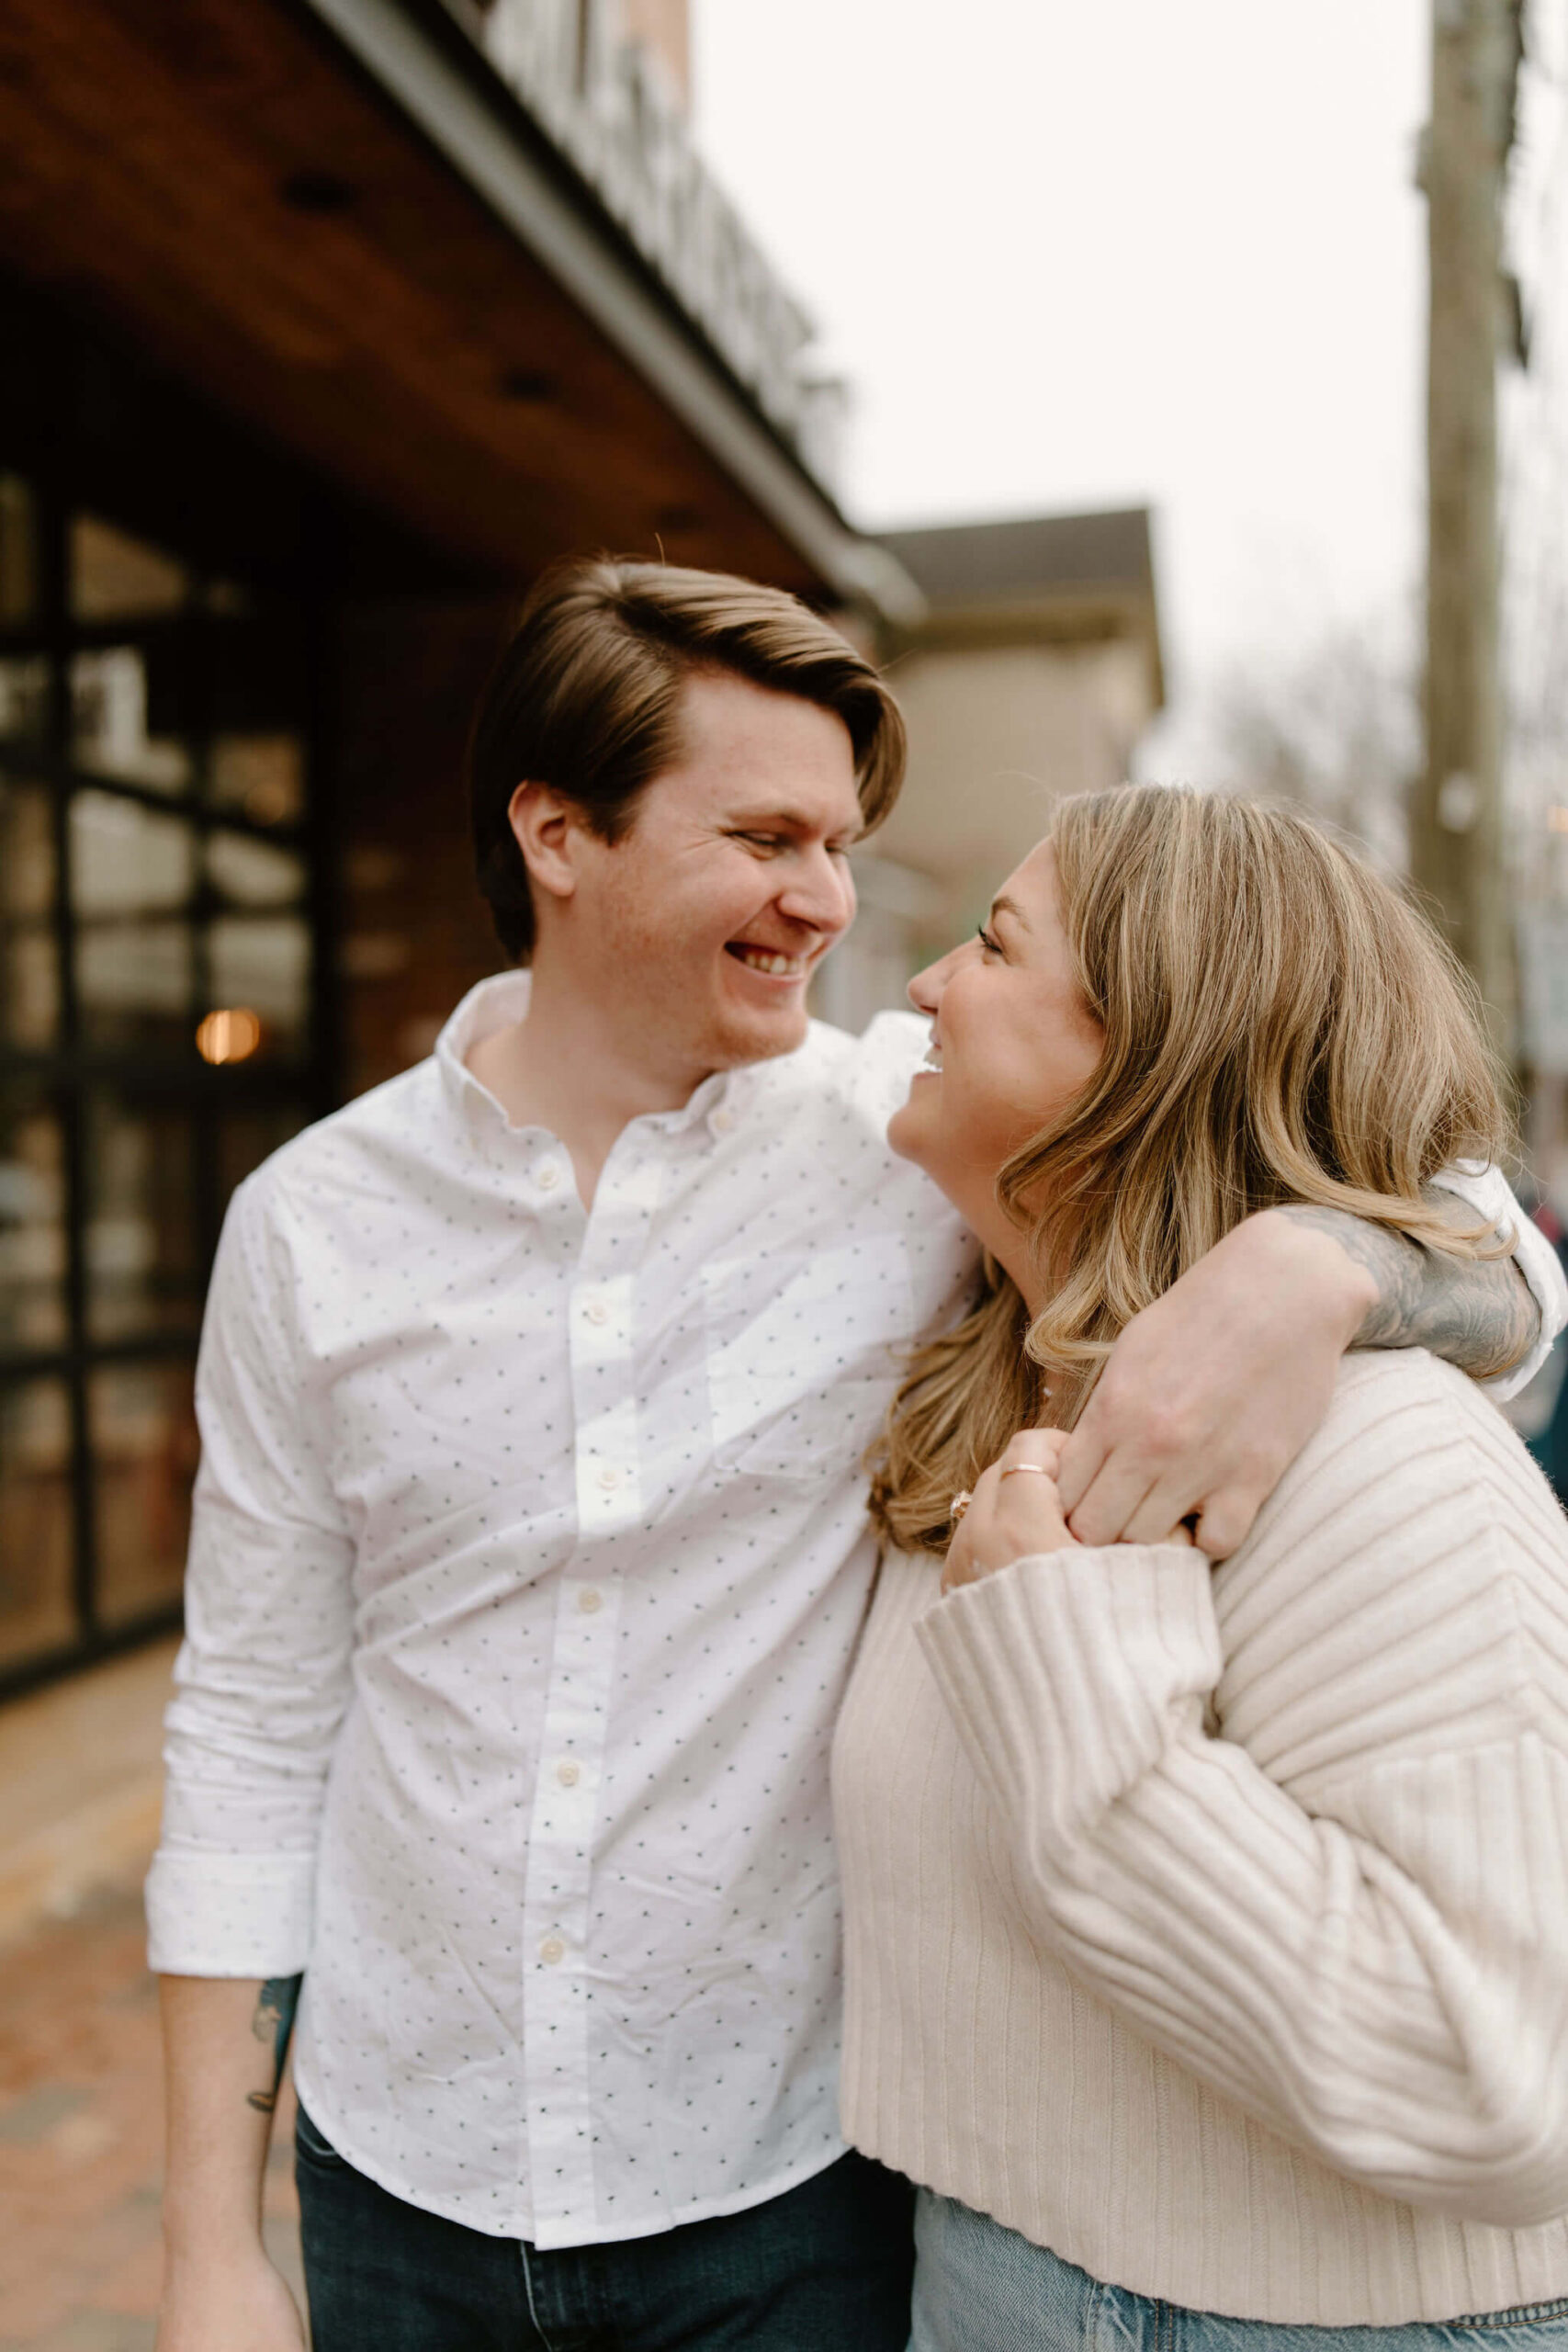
<point>68,1072</point>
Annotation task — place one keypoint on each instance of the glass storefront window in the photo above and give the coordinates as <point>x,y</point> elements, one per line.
<point>36,1606</point>
<point>117,577</point>
<point>30,977</point>
<point>109,723</point>
<point>263,964</point>
<point>145,1450</point>
<point>248,873</point>
<point>24,698</point>
<point>32,1222</point>
<point>132,872</point>
<point>143,1234</point>
<point>18,552</point>
<point>153,714</point>
<point>262,776</point>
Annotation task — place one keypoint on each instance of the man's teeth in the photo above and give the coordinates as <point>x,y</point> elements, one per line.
<point>763,959</point>
<point>934,1059</point>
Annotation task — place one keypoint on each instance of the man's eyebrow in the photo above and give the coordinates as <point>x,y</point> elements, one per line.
<point>1006,906</point>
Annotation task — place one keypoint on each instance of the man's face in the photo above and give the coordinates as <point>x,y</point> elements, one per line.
<point>701,927</point>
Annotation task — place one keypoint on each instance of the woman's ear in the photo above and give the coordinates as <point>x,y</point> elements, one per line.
<point>547,829</point>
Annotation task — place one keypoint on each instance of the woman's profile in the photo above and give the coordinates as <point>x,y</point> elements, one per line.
<point>1208,1922</point>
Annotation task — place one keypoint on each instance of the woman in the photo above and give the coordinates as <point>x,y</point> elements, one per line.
<point>1208,1927</point>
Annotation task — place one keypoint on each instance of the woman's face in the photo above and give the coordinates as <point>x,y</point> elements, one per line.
<point>1012,1044</point>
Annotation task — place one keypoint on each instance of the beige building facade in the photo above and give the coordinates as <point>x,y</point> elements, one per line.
<point>1033,674</point>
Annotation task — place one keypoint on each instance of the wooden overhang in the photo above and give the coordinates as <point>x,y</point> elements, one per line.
<point>332,219</point>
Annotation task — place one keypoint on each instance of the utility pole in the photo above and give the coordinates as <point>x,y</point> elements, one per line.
<point>1457,831</point>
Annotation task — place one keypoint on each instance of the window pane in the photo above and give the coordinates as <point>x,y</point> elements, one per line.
<point>109,723</point>
<point>24,698</point>
<point>144,1452</point>
<point>264,965</point>
<point>36,1608</point>
<point>18,553</point>
<point>32,1223</point>
<point>261,775</point>
<point>29,977</point>
<point>114,576</point>
<point>254,873</point>
<point>132,870</point>
<point>142,1238</point>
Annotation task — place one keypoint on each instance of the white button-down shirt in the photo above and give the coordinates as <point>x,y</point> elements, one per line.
<point>529,1555</point>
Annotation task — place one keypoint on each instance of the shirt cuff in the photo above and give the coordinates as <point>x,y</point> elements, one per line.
<point>1487,1190</point>
<point>229,1915</point>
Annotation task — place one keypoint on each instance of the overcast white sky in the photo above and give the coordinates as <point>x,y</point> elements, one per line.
<point>1083,252</point>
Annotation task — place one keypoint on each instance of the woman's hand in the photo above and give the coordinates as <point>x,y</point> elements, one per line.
<point>1014,1511</point>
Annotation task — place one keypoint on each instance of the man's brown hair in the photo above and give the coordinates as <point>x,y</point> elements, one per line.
<point>586,700</point>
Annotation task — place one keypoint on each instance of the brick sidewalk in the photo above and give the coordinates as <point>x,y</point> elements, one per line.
<point>81,2133</point>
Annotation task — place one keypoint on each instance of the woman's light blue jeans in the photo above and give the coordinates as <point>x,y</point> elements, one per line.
<point>980,2288</point>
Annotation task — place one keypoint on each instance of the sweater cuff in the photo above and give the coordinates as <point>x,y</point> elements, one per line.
<point>229,1915</point>
<point>1070,1673</point>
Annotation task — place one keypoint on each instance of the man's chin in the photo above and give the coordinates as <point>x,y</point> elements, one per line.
<point>762,1039</point>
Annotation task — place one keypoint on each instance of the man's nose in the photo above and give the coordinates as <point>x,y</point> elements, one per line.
<point>819,892</point>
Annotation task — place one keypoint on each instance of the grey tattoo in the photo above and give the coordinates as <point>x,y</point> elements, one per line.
<point>273,2022</point>
<point>1480,1313</point>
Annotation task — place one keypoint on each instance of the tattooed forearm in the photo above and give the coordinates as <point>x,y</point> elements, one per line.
<point>273,2022</point>
<point>1479,1313</point>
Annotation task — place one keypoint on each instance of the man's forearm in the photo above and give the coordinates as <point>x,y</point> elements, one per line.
<point>1479,1313</point>
<point>225,2043</point>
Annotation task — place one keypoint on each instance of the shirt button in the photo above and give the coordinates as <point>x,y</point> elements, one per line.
<point>547,1175</point>
<point>568,1774</point>
<point>723,1121</point>
<point>596,1311</point>
<point>590,1599</point>
<point>609,1477</point>
<point>552,1951</point>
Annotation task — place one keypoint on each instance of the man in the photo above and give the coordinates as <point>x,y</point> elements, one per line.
<point>529,1548</point>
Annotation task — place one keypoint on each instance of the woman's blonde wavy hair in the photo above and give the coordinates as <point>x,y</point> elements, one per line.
<point>1279,1025</point>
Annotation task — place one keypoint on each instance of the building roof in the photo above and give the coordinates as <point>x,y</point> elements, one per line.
<point>1040,580</point>
<point>1044,555</point>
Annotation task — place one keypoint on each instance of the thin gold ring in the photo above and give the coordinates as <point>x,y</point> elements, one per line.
<point>1025,1469</point>
<point>960,1504</point>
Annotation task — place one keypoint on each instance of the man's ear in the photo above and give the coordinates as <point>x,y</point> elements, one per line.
<point>549,830</point>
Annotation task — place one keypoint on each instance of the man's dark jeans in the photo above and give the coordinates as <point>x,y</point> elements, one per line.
<point>825,2268</point>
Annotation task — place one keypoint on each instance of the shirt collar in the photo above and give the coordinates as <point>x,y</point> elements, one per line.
<point>497,1002</point>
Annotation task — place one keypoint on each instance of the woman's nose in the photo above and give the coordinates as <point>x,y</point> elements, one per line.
<point>926,987</point>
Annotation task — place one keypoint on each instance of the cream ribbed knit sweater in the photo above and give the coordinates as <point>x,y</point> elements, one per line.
<point>1210,1926</point>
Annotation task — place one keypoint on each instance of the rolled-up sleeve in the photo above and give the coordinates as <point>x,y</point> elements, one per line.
<point>263,1677</point>
<point>1488,1192</point>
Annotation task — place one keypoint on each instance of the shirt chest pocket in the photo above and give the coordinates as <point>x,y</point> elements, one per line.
<point>804,1353</point>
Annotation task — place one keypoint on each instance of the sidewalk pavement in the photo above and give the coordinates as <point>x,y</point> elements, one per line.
<point>80,2092</point>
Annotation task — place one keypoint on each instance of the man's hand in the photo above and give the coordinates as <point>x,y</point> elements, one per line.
<point>239,2305</point>
<point>1210,1393</point>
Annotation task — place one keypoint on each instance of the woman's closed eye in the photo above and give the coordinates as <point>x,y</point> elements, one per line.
<point>992,947</point>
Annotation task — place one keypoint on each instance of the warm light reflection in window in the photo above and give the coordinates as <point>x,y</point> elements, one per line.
<point>231,1034</point>
<point>1557,820</point>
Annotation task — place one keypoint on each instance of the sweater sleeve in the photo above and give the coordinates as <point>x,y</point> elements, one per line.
<point>1384,1981</point>
<point>261,1679</point>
